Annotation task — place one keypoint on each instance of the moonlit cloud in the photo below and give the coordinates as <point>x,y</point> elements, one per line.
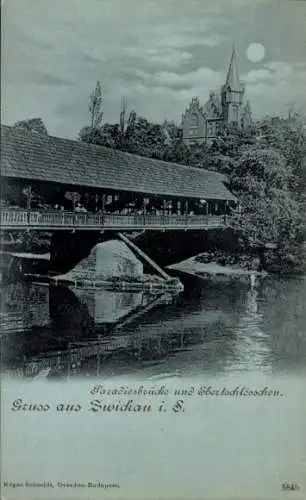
<point>198,78</point>
<point>258,75</point>
<point>278,82</point>
<point>159,53</point>
<point>168,58</point>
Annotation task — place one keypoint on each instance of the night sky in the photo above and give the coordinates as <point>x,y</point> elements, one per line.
<point>157,53</point>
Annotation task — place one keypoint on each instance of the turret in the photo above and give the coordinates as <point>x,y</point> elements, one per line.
<point>232,93</point>
<point>194,122</point>
<point>246,115</point>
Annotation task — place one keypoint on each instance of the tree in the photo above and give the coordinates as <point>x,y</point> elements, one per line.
<point>287,135</point>
<point>95,107</point>
<point>267,213</point>
<point>33,125</point>
<point>92,133</point>
<point>265,166</point>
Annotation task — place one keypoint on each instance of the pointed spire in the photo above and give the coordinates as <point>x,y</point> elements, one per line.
<point>232,78</point>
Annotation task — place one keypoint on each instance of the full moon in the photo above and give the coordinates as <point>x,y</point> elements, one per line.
<point>255,52</point>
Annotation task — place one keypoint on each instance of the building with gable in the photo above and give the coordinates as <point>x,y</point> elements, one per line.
<point>203,123</point>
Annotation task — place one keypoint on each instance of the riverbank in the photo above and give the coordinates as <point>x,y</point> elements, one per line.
<point>233,261</point>
<point>238,264</point>
<point>200,266</point>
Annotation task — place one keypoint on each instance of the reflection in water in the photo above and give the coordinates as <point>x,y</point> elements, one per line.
<point>255,348</point>
<point>56,330</point>
<point>105,306</point>
<point>23,306</point>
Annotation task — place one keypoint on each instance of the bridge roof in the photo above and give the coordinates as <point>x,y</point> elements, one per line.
<point>34,156</point>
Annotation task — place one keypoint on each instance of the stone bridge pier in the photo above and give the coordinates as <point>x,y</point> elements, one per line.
<point>67,249</point>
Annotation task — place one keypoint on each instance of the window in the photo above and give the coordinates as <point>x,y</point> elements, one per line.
<point>194,120</point>
<point>235,113</point>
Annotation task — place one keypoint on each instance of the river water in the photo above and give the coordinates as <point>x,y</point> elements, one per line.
<point>58,343</point>
<point>225,328</point>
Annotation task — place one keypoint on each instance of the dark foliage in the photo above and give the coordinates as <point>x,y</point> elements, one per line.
<point>265,166</point>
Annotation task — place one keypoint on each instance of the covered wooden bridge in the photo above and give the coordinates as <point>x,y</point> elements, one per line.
<point>51,183</point>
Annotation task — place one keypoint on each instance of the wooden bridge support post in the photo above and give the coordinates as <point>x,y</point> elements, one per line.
<point>164,210</point>
<point>103,208</point>
<point>103,203</point>
<point>29,197</point>
<point>144,208</point>
<point>206,211</point>
<point>186,210</point>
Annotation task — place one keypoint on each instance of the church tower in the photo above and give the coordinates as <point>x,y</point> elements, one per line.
<point>205,123</point>
<point>232,94</point>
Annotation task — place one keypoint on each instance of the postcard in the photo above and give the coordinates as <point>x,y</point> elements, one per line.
<point>152,250</point>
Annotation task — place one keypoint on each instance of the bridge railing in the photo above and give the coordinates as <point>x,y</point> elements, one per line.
<point>61,219</point>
